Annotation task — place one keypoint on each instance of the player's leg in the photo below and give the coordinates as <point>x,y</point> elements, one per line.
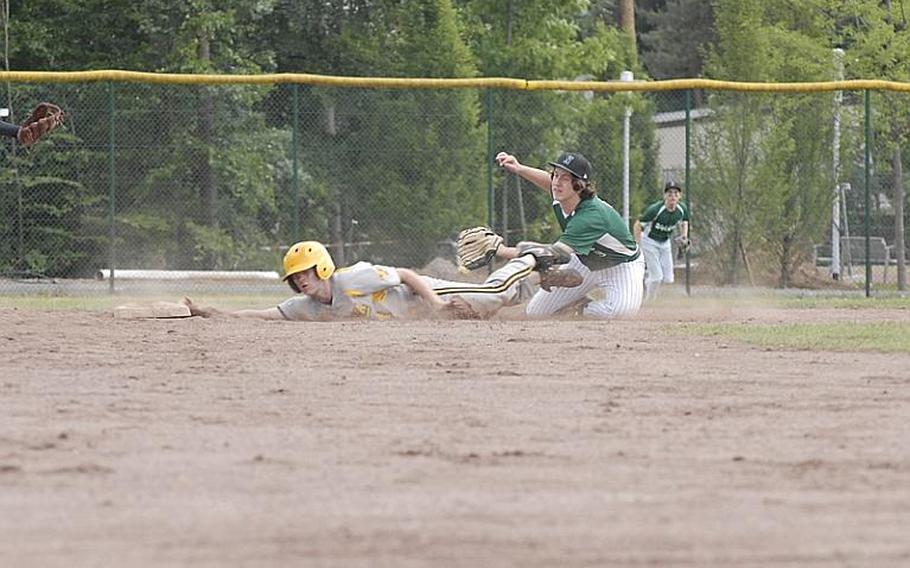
<point>500,289</point>
<point>666,261</point>
<point>655,274</point>
<point>622,288</point>
<point>546,303</point>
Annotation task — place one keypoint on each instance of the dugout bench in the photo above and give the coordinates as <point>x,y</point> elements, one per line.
<point>853,253</point>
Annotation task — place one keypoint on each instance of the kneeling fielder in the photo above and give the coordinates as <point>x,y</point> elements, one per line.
<point>597,241</point>
<point>371,291</point>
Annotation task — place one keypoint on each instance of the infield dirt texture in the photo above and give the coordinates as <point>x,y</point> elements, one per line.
<point>214,443</point>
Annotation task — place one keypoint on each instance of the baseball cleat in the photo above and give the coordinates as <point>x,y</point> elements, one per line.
<point>560,278</point>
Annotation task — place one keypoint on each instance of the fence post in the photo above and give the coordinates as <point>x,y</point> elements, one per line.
<point>687,182</point>
<point>626,147</point>
<point>295,150</point>
<point>112,189</point>
<point>868,165</point>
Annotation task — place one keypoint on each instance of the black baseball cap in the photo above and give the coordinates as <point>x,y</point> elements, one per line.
<point>672,185</point>
<point>575,164</point>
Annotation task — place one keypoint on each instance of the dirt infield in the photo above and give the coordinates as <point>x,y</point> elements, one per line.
<point>212,443</point>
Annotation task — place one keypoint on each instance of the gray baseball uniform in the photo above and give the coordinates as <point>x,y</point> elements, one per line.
<point>371,291</point>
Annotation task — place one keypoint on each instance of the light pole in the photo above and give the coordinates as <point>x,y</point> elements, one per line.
<point>835,206</point>
<point>625,76</point>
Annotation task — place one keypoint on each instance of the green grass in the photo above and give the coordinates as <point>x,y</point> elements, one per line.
<point>102,303</point>
<point>788,299</point>
<point>60,303</point>
<point>886,337</point>
<point>845,302</point>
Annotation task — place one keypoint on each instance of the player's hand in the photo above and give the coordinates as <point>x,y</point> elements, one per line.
<point>457,307</point>
<point>507,162</point>
<point>683,242</point>
<point>195,309</point>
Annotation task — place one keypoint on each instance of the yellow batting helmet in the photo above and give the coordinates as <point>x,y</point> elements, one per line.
<point>305,255</point>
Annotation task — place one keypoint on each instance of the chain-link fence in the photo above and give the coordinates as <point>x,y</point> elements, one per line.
<point>187,177</point>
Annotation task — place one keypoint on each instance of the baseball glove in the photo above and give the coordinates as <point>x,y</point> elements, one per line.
<point>476,247</point>
<point>682,245</point>
<point>43,118</point>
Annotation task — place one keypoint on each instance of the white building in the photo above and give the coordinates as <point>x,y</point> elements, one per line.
<point>671,138</point>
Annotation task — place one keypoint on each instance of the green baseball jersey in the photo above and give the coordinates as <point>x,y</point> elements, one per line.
<point>662,220</point>
<point>597,233</point>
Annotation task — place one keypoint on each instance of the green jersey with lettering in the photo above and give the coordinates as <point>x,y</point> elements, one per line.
<point>662,220</point>
<point>597,233</point>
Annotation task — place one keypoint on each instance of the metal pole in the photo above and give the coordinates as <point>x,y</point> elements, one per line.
<point>835,206</point>
<point>627,115</point>
<point>505,211</point>
<point>112,188</point>
<point>521,209</point>
<point>489,160</point>
<point>688,181</point>
<point>295,151</point>
<point>868,165</point>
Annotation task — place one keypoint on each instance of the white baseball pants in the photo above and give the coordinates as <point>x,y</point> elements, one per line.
<point>619,291</point>
<point>659,260</point>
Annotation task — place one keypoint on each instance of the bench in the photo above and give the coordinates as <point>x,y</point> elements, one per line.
<point>853,252</point>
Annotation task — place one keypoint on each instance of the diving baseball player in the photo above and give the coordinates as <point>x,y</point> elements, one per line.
<point>595,237</point>
<point>371,291</point>
<point>653,230</point>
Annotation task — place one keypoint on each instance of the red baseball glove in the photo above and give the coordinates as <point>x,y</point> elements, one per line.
<point>43,118</point>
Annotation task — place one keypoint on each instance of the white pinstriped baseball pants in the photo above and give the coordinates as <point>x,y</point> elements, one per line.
<point>620,291</point>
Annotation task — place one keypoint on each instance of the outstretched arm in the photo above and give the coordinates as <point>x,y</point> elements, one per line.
<point>542,255</point>
<point>452,307</point>
<point>209,312</point>
<point>420,287</point>
<point>510,163</point>
<point>8,129</point>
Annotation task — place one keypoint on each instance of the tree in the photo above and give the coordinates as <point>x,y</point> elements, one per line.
<point>44,215</point>
<point>675,38</point>
<point>76,35</point>
<point>627,24</point>
<point>388,165</point>
<point>538,39</point>
<point>197,36</point>
<point>763,164</point>
<point>874,35</point>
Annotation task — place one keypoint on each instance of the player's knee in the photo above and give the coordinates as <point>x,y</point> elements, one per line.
<point>598,310</point>
<point>628,304</point>
<point>541,305</point>
<point>607,310</point>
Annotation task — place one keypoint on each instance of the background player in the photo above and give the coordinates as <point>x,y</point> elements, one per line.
<point>598,240</point>
<point>371,291</point>
<point>654,229</point>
